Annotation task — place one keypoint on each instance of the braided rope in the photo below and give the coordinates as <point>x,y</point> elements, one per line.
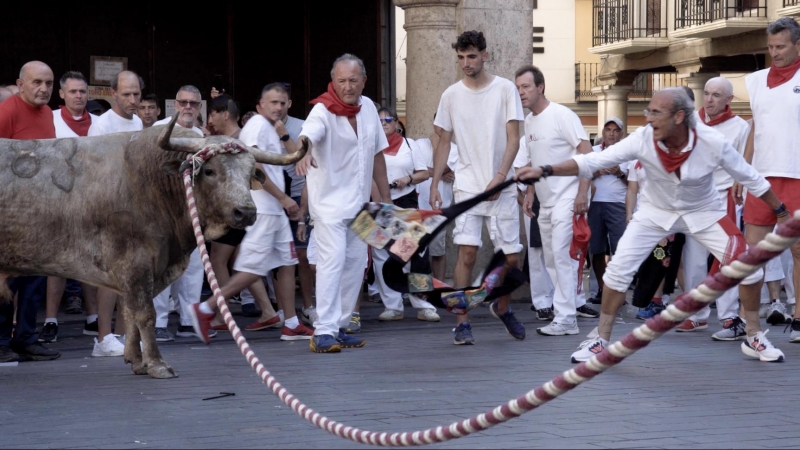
<point>685,305</point>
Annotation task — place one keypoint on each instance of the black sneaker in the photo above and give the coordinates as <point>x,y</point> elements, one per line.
<point>585,311</point>
<point>188,331</point>
<point>597,299</point>
<point>49,332</point>
<point>250,310</point>
<point>35,352</point>
<point>7,355</point>
<point>90,328</point>
<point>74,305</point>
<point>545,314</point>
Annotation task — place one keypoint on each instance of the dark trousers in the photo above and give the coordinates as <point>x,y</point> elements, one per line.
<point>30,296</point>
<point>74,287</point>
<point>653,270</point>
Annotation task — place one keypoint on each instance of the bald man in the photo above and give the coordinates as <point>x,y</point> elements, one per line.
<point>26,116</point>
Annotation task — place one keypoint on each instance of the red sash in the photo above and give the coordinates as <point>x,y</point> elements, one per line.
<point>671,162</point>
<point>334,104</point>
<point>727,114</point>
<point>79,126</point>
<point>779,75</point>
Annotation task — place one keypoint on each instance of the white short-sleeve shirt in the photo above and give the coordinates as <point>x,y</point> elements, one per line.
<point>168,119</point>
<point>258,132</point>
<point>735,131</point>
<point>111,122</point>
<point>478,121</point>
<point>404,163</point>
<point>609,188</point>
<point>425,150</point>
<point>342,182</point>
<point>62,129</point>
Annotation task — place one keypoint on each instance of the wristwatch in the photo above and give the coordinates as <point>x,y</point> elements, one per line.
<point>285,137</point>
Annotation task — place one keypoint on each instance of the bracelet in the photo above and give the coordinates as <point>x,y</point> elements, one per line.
<point>781,209</point>
<point>546,171</point>
<point>301,223</point>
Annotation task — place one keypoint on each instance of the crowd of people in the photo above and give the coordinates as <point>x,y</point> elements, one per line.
<point>664,204</point>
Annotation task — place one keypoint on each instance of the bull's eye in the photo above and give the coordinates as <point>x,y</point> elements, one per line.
<point>208,172</point>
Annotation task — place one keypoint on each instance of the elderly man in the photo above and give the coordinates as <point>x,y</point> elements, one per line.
<point>26,116</point>
<point>772,145</point>
<point>71,120</point>
<point>126,89</point>
<point>149,110</point>
<point>679,197</point>
<point>347,144</point>
<point>716,113</point>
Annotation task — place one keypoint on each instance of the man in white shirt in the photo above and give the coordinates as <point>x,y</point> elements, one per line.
<point>126,89</point>
<point>553,134</point>
<point>679,197</point>
<point>482,114</point>
<point>772,148</point>
<point>70,120</point>
<point>346,156</point>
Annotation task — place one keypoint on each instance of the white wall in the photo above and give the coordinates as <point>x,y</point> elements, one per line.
<point>558,60</point>
<point>400,48</point>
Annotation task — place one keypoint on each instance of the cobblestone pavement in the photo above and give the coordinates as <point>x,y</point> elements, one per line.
<point>683,391</point>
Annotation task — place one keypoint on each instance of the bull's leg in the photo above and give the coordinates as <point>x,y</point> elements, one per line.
<point>133,353</point>
<point>143,314</point>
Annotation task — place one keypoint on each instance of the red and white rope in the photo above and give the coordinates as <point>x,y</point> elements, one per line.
<point>684,306</point>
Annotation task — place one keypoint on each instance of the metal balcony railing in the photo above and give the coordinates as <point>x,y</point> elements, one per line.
<point>698,12</point>
<point>647,84</point>
<point>790,3</point>
<point>619,20</point>
<point>585,80</point>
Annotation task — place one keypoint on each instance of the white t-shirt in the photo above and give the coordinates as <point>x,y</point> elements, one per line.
<point>523,159</point>
<point>425,151</point>
<point>258,132</point>
<point>62,129</point>
<point>404,163</point>
<point>168,119</point>
<point>735,131</point>
<point>609,188</point>
<point>478,121</point>
<point>776,114</point>
<point>293,126</point>
<point>341,184</point>
<point>111,122</point>
<point>552,137</point>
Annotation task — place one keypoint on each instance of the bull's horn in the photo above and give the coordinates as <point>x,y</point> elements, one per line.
<point>276,159</point>
<point>187,145</point>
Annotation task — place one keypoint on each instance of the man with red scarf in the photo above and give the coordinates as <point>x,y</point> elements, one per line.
<point>772,147</point>
<point>346,155</point>
<point>680,196</point>
<point>26,116</point>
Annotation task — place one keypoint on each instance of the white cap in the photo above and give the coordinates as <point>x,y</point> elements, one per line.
<point>615,120</point>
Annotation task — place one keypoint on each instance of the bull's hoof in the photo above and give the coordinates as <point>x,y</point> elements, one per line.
<point>162,372</point>
<point>139,368</point>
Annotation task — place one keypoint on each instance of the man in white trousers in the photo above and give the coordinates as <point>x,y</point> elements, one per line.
<point>716,113</point>
<point>679,197</point>
<point>553,133</point>
<point>346,156</point>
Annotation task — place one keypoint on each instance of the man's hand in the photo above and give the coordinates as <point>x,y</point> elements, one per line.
<point>302,232</point>
<point>528,173</point>
<point>435,198</point>
<point>498,179</point>
<point>449,177</point>
<point>280,128</point>
<point>527,203</point>
<point>215,93</point>
<point>304,165</point>
<point>738,193</point>
<point>581,204</point>
<point>291,207</point>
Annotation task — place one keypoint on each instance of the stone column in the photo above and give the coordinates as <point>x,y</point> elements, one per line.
<point>612,101</point>
<point>697,83</point>
<point>430,59</point>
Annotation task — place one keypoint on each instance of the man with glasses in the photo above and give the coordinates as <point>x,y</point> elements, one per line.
<point>149,110</point>
<point>186,289</point>
<point>679,158</point>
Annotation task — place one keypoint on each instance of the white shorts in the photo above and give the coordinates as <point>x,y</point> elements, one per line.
<point>505,210</point>
<point>267,245</point>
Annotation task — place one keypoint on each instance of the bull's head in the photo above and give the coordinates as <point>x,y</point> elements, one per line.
<point>222,186</point>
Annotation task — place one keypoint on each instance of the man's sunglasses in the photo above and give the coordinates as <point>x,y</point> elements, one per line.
<point>185,103</point>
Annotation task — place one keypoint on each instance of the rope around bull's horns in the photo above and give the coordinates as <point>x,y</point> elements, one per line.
<point>684,306</point>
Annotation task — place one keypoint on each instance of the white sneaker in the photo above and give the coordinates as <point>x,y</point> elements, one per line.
<point>758,346</point>
<point>428,315</point>
<point>109,347</point>
<point>390,315</point>
<point>762,310</point>
<point>558,329</point>
<point>776,314</point>
<point>665,299</point>
<point>589,348</point>
<point>310,314</point>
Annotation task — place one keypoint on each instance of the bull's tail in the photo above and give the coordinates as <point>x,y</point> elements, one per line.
<point>5,292</point>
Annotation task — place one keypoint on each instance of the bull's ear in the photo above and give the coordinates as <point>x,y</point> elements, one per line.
<point>258,179</point>
<point>171,167</point>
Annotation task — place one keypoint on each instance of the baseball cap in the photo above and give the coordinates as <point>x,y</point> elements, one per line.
<point>616,120</point>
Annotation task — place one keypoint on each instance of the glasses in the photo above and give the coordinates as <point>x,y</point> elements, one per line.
<point>387,120</point>
<point>647,112</point>
<point>185,103</point>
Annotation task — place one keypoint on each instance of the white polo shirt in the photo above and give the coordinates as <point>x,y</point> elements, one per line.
<point>258,132</point>
<point>609,188</point>
<point>341,184</point>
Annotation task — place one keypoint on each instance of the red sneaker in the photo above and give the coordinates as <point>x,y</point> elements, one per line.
<point>691,325</point>
<point>299,333</point>
<point>201,322</point>
<point>220,327</point>
<point>274,322</point>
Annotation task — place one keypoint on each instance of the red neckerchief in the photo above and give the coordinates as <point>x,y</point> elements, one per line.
<point>395,141</point>
<point>335,105</point>
<point>727,114</point>
<point>670,162</point>
<point>79,126</point>
<point>779,75</point>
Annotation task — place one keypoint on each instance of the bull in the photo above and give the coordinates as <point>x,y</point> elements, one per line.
<point>111,211</point>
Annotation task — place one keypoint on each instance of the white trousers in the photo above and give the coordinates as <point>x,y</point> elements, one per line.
<point>779,269</point>
<point>340,272</point>
<point>788,267</point>
<point>185,291</point>
<point>695,270</point>
<point>555,226</point>
<point>541,286</point>
<point>641,237</point>
<point>392,299</point>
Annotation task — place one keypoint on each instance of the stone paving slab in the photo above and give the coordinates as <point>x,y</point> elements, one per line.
<point>682,391</point>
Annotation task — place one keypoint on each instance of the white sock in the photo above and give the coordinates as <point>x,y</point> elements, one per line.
<point>280,314</point>
<point>292,323</point>
<point>91,318</point>
<point>205,308</point>
<point>51,319</point>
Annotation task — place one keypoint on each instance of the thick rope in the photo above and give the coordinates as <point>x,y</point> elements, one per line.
<point>684,306</point>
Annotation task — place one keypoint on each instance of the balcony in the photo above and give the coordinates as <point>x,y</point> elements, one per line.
<point>644,85</point>
<point>791,8</point>
<point>716,18</point>
<point>628,26</point>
